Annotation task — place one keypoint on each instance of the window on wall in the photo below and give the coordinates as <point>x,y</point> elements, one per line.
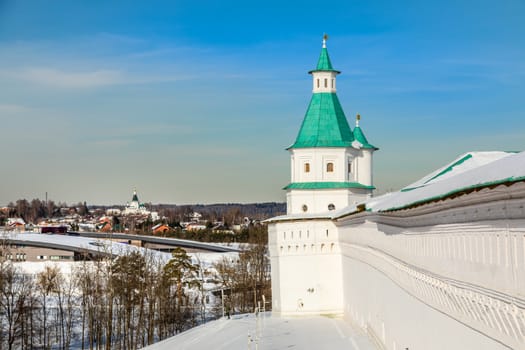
<point>333,83</point>
<point>349,167</point>
<point>306,167</point>
<point>326,83</point>
<point>317,82</point>
<point>331,206</point>
<point>305,208</point>
<point>329,167</point>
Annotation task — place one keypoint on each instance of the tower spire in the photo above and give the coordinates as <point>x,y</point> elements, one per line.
<point>325,37</point>
<point>324,124</point>
<point>360,137</point>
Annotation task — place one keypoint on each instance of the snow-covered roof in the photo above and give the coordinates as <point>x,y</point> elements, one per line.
<point>77,243</point>
<point>470,171</point>
<point>104,246</point>
<point>267,331</point>
<point>464,162</point>
<point>15,221</point>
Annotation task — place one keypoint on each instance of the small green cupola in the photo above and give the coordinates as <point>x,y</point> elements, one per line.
<point>324,124</point>
<point>360,138</point>
<point>135,197</point>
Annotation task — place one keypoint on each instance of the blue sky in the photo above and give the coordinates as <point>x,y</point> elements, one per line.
<point>195,102</point>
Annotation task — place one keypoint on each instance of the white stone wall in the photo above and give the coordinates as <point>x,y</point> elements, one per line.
<point>396,320</point>
<point>317,201</point>
<point>360,162</point>
<point>306,268</point>
<point>457,266</point>
<point>446,275</point>
<point>318,158</point>
<point>364,165</point>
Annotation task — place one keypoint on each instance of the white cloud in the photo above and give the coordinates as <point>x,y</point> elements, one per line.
<point>63,79</point>
<point>12,109</point>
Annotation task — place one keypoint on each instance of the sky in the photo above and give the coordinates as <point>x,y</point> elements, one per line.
<point>195,101</point>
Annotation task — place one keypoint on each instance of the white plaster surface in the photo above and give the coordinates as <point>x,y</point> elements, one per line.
<point>401,321</point>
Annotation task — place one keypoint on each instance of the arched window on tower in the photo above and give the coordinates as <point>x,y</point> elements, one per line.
<point>333,83</point>
<point>326,83</point>
<point>330,167</point>
<point>317,82</point>
<point>306,167</point>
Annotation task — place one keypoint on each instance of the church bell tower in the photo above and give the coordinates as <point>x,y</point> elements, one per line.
<point>331,165</point>
<point>331,169</point>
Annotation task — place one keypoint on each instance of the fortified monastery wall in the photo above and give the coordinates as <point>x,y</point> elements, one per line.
<point>447,275</point>
<point>439,264</point>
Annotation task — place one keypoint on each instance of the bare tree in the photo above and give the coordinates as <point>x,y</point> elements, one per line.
<point>245,279</point>
<point>48,282</point>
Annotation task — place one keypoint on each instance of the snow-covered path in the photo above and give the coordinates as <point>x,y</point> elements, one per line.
<point>268,331</point>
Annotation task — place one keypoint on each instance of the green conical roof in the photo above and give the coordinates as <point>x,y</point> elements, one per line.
<point>324,124</point>
<point>324,63</point>
<point>360,137</point>
<point>135,197</point>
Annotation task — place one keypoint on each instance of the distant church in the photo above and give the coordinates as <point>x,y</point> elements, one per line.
<point>439,264</point>
<point>135,207</point>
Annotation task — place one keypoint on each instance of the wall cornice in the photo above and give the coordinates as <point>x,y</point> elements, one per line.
<point>497,203</point>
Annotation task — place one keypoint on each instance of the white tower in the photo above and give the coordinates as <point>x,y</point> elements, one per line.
<point>331,165</point>
<point>331,168</point>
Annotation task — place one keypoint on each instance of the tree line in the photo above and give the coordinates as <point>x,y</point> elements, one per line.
<point>126,302</point>
<point>254,234</point>
<point>32,211</point>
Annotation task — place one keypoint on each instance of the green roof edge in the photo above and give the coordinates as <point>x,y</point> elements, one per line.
<point>511,179</point>
<point>325,185</point>
<point>361,138</point>
<point>449,168</point>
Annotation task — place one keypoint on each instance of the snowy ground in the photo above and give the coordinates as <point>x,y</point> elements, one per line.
<point>269,332</point>
<point>206,259</point>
